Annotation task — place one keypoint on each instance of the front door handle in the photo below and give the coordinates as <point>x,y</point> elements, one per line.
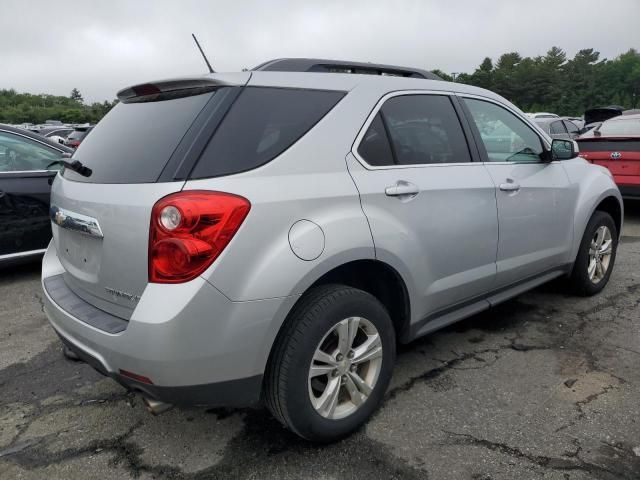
<point>509,186</point>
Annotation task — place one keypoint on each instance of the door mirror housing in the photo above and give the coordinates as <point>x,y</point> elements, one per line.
<point>564,149</point>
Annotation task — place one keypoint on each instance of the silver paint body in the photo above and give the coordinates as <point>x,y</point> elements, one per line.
<point>460,244</point>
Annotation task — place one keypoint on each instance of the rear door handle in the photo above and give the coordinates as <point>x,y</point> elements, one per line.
<point>509,186</point>
<point>402,189</point>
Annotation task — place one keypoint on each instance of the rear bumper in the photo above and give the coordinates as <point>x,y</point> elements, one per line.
<point>630,191</point>
<point>237,393</point>
<point>195,345</point>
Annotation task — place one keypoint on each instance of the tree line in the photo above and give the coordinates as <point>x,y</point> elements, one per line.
<point>551,83</point>
<point>554,83</point>
<point>19,108</point>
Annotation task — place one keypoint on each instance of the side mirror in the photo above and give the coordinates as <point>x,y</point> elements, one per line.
<point>564,149</point>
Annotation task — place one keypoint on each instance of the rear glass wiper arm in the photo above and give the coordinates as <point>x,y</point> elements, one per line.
<point>75,166</point>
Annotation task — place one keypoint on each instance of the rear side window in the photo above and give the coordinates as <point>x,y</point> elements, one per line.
<point>423,129</point>
<point>374,147</point>
<point>557,128</point>
<point>262,123</point>
<point>134,141</point>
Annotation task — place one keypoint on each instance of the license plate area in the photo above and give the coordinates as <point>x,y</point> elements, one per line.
<point>80,254</point>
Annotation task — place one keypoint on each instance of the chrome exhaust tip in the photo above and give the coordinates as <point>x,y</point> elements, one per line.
<point>156,407</point>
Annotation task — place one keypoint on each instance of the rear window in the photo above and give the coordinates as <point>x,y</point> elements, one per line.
<point>262,123</point>
<point>620,127</point>
<point>609,145</point>
<point>134,141</point>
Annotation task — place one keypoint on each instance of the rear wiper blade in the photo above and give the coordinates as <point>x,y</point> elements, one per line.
<point>75,166</point>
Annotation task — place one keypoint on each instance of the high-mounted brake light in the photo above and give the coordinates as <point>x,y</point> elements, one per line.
<point>188,232</point>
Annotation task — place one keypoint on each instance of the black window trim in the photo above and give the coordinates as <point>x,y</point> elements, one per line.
<point>397,93</point>
<point>546,142</point>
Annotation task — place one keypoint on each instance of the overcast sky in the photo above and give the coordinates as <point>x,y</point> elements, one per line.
<point>100,47</point>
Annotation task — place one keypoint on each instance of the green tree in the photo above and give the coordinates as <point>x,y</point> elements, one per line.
<point>76,95</point>
<point>553,82</point>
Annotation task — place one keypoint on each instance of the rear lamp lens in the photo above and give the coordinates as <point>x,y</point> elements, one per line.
<point>170,218</point>
<point>189,230</point>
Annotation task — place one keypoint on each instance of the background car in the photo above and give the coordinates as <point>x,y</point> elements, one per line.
<point>615,144</point>
<point>535,115</point>
<point>76,137</point>
<point>25,188</point>
<point>57,131</point>
<point>558,128</point>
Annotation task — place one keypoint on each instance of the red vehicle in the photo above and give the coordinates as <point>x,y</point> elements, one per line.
<point>616,145</point>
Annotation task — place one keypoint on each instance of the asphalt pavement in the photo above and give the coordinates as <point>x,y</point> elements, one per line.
<point>544,386</point>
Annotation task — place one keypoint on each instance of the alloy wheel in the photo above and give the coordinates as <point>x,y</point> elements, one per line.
<point>345,368</point>
<point>600,252</point>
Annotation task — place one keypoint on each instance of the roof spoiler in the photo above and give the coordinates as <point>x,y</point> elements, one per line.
<point>180,87</point>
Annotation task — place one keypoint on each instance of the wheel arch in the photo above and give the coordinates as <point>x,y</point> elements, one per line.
<point>380,280</point>
<point>373,276</point>
<point>610,202</point>
<point>613,207</point>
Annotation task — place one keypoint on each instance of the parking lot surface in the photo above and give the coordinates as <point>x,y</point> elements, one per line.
<point>543,386</point>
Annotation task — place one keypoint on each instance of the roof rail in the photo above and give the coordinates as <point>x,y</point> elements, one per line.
<point>340,66</point>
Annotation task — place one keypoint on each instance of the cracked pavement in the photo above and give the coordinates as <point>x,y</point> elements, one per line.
<point>544,386</point>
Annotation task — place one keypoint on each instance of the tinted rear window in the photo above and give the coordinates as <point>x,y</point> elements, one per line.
<point>609,145</point>
<point>262,123</point>
<point>134,141</point>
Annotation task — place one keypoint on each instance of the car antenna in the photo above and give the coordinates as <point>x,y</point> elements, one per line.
<point>211,70</point>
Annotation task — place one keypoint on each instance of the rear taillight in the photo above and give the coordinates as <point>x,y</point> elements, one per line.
<point>189,230</point>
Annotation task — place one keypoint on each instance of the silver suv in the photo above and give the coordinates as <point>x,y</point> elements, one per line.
<point>269,236</point>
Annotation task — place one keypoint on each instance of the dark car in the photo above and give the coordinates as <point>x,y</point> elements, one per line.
<point>76,137</point>
<point>615,144</point>
<point>25,186</point>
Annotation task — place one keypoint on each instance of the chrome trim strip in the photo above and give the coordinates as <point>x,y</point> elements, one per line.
<point>75,222</point>
<point>22,254</point>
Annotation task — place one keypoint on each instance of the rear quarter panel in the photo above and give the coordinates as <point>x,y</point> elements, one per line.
<point>309,181</point>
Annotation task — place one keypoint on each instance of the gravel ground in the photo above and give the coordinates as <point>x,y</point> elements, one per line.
<point>544,386</point>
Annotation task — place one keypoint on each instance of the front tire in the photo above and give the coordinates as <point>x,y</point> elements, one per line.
<point>596,256</point>
<point>331,363</point>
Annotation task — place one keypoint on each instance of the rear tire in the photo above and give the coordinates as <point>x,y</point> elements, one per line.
<point>596,256</point>
<point>325,407</point>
